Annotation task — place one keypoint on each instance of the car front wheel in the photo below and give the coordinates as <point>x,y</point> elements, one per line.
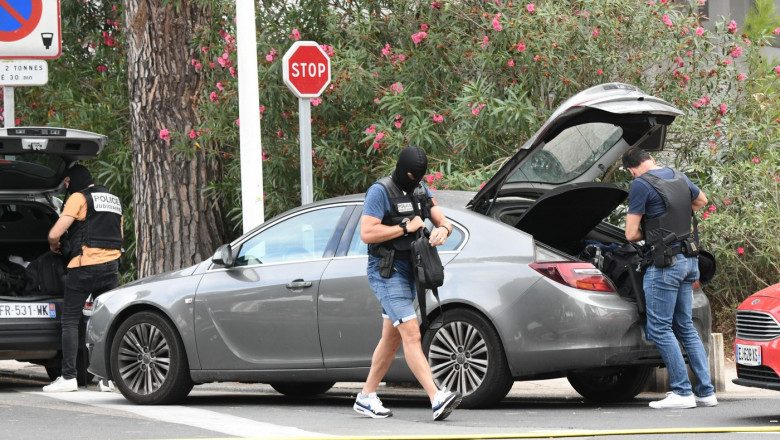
<point>466,355</point>
<point>605,386</point>
<point>148,362</point>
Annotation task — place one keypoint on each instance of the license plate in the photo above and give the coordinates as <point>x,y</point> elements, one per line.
<point>749,355</point>
<point>28,310</point>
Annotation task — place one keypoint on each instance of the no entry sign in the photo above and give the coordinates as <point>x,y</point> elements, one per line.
<point>30,29</point>
<point>306,69</point>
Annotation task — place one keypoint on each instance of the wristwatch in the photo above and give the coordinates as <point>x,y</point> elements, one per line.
<point>403,226</point>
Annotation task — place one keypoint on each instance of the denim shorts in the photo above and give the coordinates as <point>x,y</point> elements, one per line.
<point>397,293</point>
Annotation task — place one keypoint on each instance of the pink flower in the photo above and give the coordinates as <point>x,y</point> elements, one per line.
<point>397,87</point>
<point>712,208</point>
<point>398,121</point>
<point>496,24</point>
<point>732,27</point>
<point>776,31</point>
<point>238,122</point>
<point>295,35</point>
<point>521,47</point>
<point>437,176</point>
<point>419,37</point>
<point>327,49</point>
<point>165,134</point>
<point>595,33</point>
<point>736,52</point>
<point>423,27</point>
<point>740,251</point>
<point>386,50</point>
<point>667,21</point>
<point>755,160</point>
<point>599,72</point>
<point>705,216</point>
<point>482,185</point>
<point>700,31</point>
<point>375,145</point>
<point>371,129</point>
<point>510,63</point>
<point>193,135</point>
<point>436,5</point>
<point>316,101</point>
<point>723,109</point>
<point>220,86</point>
<point>777,69</point>
<point>102,69</point>
<point>475,110</point>
<point>741,77</point>
<point>213,97</point>
<point>379,136</point>
<point>537,57</point>
<point>437,118</point>
<point>279,133</point>
<point>530,7</point>
<point>429,179</point>
<point>727,201</point>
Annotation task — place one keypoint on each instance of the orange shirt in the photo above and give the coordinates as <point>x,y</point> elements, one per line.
<point>76,207</point>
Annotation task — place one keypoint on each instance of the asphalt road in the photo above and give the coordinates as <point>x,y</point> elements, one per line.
<point>540,409</point>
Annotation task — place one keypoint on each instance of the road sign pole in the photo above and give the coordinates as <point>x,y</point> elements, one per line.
<point>304,128</point>
<point>8,107</point>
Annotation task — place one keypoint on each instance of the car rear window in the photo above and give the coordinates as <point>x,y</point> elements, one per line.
<point>30,171</point>
<point>570,154</point>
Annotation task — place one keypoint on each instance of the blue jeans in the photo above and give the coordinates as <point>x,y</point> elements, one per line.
<point>669,296</point>
<point>80,282</point>
<point>397,293</point>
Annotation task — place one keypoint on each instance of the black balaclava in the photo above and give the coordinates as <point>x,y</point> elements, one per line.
<point>411,160</point>
<point>80,178</point>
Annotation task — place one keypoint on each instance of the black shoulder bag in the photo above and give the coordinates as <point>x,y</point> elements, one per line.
<point>428,270</point>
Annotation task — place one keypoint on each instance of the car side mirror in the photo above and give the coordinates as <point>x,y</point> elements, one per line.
<point>224,256</point>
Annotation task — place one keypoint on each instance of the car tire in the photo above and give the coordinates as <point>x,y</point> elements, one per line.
<point>301,390</point>
<point>466,355</point>
<point>148,361</point>
<point>619,385</point>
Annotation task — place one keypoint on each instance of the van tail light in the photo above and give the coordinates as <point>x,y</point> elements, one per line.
<point>577,274</point>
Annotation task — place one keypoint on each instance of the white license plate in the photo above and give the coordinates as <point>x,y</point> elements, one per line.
<point>749,355</point>
<point>28,310</point>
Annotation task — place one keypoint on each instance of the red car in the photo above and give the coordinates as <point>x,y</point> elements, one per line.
<point>757,345</point>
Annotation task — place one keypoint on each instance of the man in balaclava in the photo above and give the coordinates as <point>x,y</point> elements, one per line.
<point>388,226</point>
<point>92,217</point>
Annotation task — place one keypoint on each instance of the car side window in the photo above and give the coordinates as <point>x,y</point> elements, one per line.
<point>357,247</point>
<point>302,237</point>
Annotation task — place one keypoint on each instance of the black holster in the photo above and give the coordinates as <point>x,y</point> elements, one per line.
<point>387,259</point>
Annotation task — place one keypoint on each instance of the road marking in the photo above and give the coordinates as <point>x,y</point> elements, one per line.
<point>198,418</point>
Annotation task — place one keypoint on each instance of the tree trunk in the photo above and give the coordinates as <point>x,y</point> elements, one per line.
<point>175,225</point>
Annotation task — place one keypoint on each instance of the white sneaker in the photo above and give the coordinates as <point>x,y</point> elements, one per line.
<point>106,386</point>
<point>370,405</point>
<point>443,403</point>
<point>673,400</point>
<point>61,385</point>
<point>710,400</point>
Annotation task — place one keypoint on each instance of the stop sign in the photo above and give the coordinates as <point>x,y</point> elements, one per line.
<point>306,69</point>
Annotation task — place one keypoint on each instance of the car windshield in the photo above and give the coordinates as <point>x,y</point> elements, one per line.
<point>30,171</point>
<point>568,155</point>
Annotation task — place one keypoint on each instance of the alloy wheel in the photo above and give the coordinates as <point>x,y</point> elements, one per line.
<point>459,357</point>
<point>144,358</point>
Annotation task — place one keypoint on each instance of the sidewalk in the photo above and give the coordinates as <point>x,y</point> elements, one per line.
<point>548,388</point>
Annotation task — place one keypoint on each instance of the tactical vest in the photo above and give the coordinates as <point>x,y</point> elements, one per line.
<point>102,227</point>
<point>674,225</point>
<point>401,208</point>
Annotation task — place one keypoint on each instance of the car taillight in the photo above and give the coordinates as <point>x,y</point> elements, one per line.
<point>696,285</point>
<point>575,274</point>
<point>89,307</point>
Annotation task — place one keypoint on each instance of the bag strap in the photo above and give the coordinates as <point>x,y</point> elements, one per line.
<point>418,276</point>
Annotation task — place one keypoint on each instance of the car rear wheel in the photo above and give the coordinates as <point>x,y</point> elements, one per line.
<point>302,389</point>
<point>148,362</point>
<point>466,355</point>
<point>617,385</point>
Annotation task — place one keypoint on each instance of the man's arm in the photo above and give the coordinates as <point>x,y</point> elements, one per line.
<point>699,201</point>
<point>443,227</point>
<point>58,230</point>
<point>633,233</point>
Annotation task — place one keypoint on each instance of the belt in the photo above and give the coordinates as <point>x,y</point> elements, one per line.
<point>674,250</point>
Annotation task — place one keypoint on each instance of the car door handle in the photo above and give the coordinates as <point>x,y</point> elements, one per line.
<point>298,284</point>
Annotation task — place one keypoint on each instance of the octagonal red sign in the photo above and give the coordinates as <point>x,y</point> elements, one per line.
<point>306,69</point>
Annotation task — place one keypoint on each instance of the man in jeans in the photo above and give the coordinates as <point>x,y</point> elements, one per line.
<point>660,211</point>
<point>92,217</point>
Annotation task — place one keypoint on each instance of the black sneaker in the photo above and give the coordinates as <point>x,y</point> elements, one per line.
<point>371,406</point>
<point>443,404</point>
